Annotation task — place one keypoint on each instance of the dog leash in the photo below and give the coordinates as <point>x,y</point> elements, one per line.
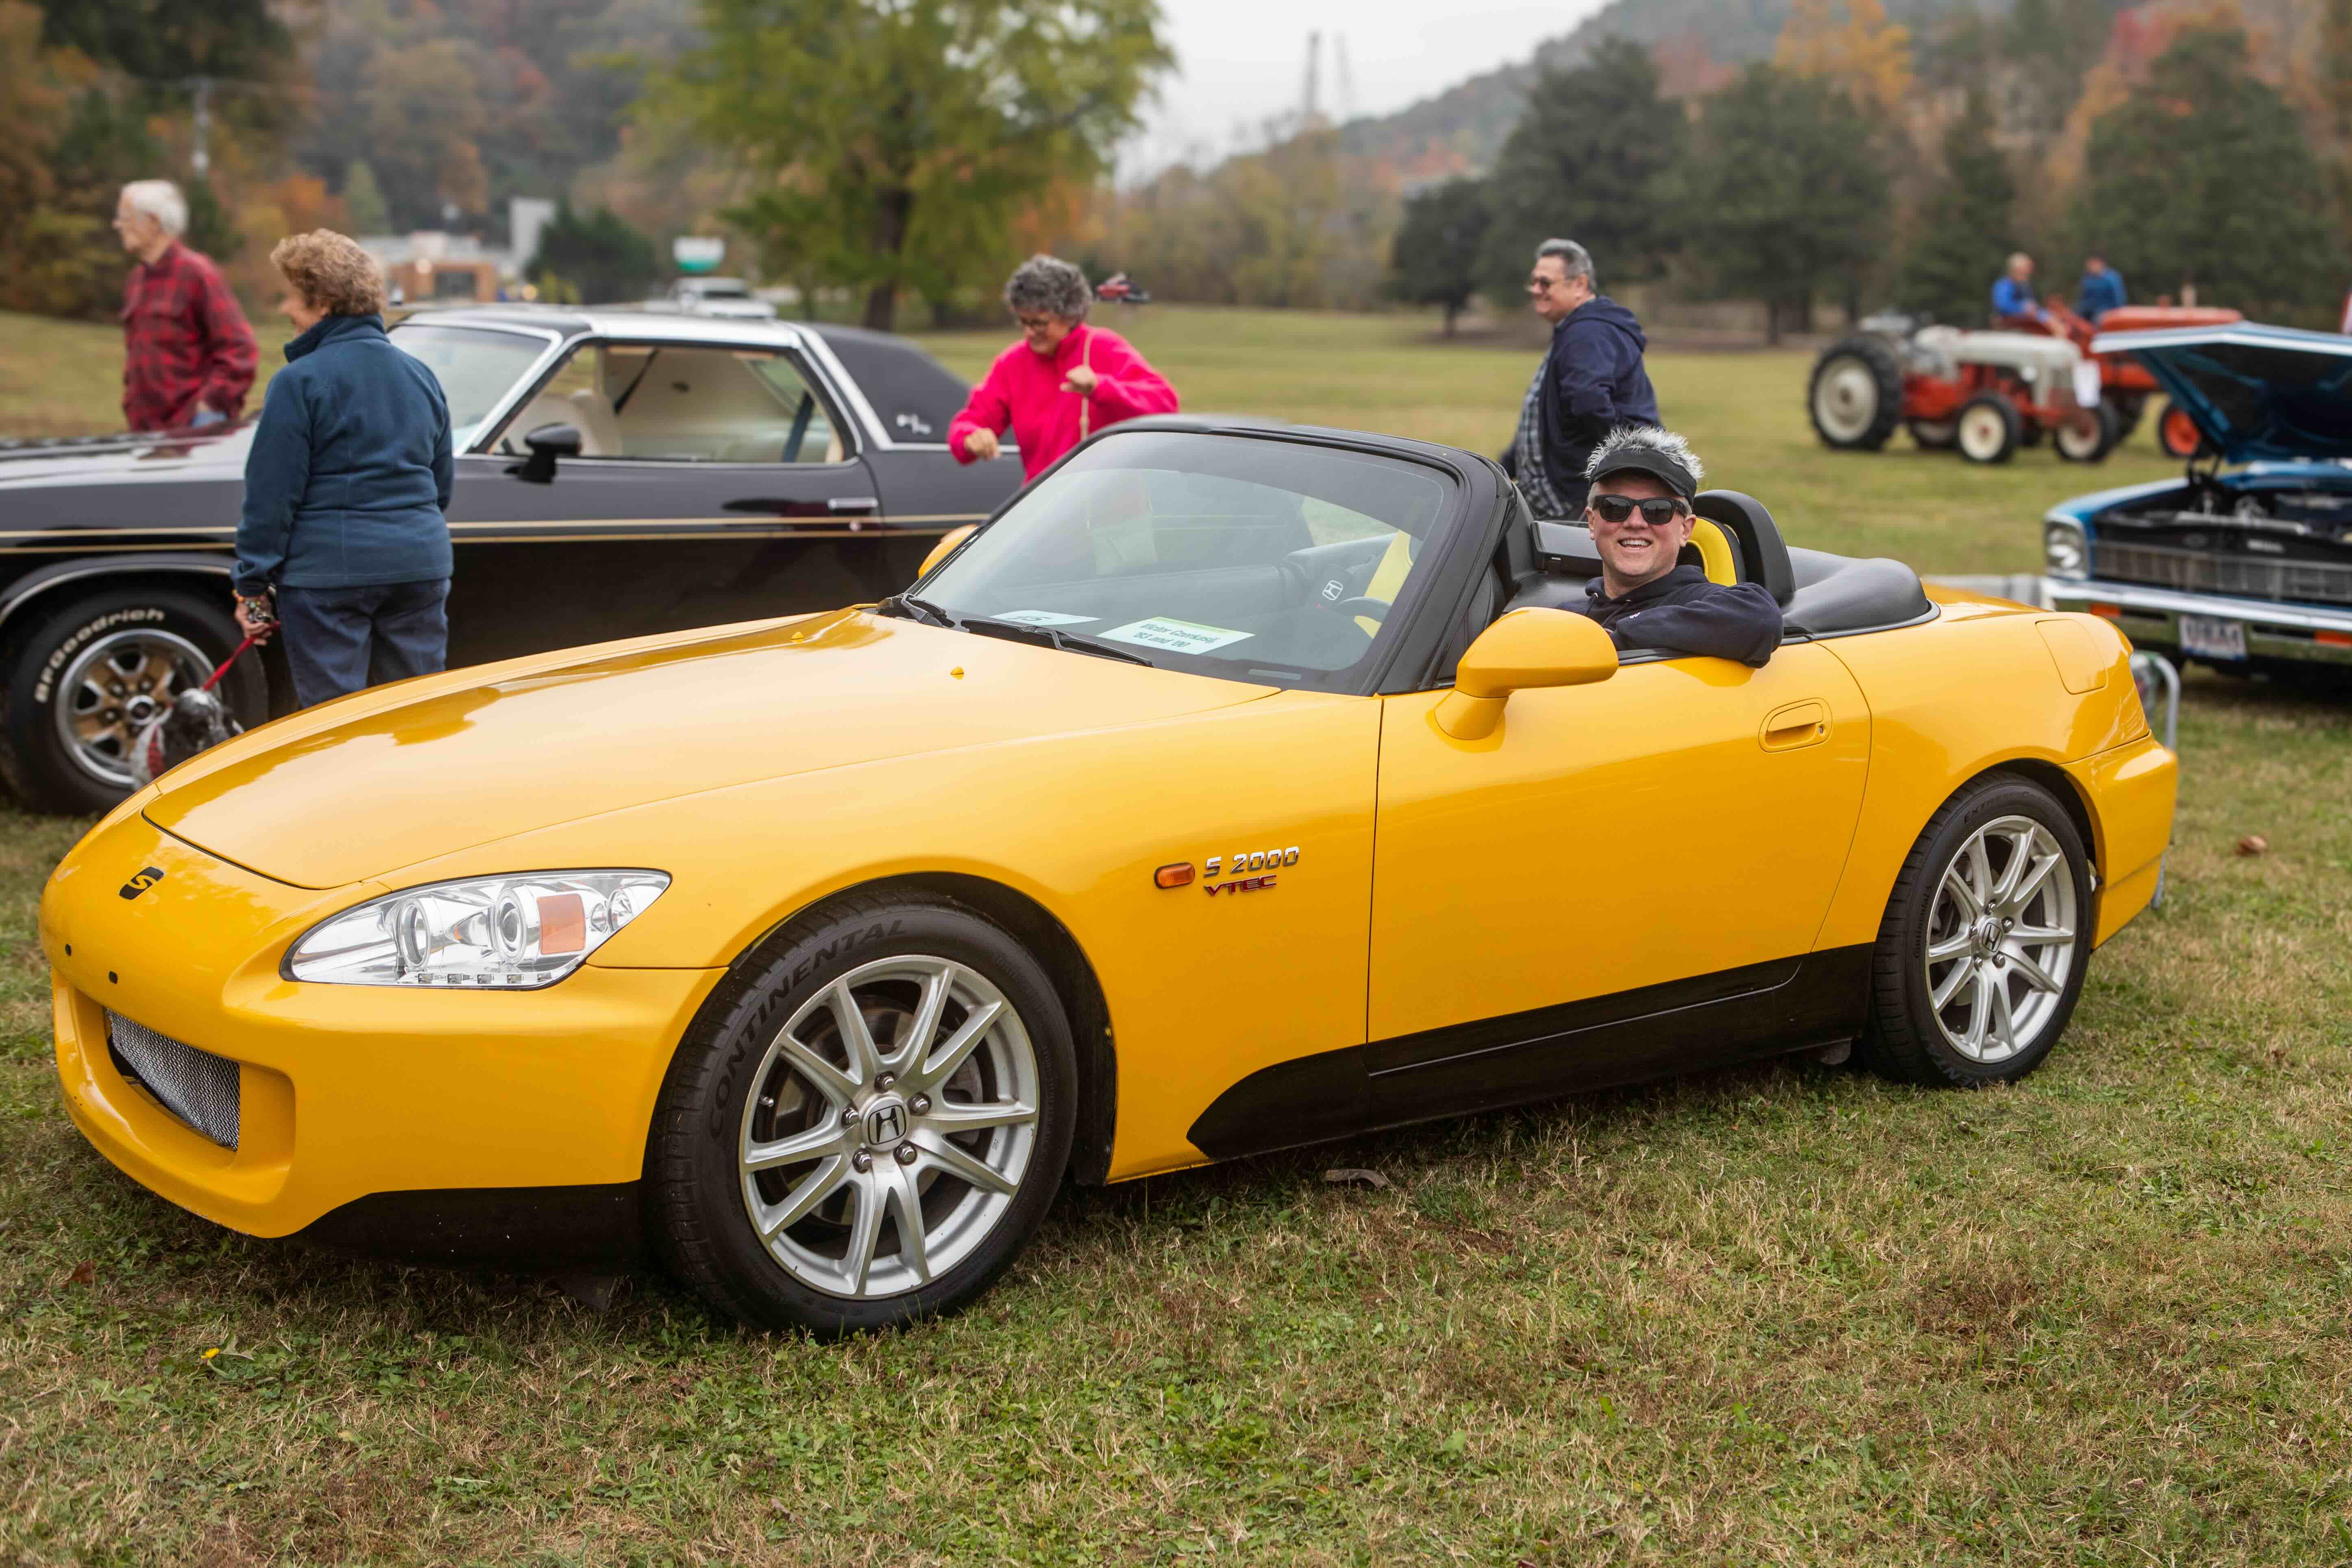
<point>214,678</point>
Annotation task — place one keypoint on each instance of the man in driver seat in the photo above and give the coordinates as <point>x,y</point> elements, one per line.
<point>1643,479</point>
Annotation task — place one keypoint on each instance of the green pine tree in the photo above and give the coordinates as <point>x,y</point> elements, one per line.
<point>1966,228</point>
<point>2203,175</point>
<point>593,258</point>
<point>364,201</point>
<point>1435,261</point>
<point>1587,161</point>
<point>1784,196</point>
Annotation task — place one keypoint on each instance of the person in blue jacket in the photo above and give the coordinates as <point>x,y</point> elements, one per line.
<point>2102,289</point>
<point>346,488</point>
<point>2013,305</point>
<point>1591,382</point>
<point>1644,481</point>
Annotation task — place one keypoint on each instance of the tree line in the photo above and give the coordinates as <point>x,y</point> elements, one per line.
<point>1852,169</point>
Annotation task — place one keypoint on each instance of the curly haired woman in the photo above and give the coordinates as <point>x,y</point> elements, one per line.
<point>346,487</point>
<point>1062,382</point>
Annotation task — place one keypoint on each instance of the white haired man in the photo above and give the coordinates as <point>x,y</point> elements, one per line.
<point>1591,381</point>
<point>188,354</point>
<point>1643,479</point>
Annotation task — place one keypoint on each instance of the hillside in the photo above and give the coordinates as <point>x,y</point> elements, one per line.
<point>1460,130</point>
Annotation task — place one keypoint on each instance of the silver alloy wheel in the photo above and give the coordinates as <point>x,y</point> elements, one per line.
<point>114,688</point>
<point>899,1102</point>
<point>2001,939</point>
<point>1846,399</point>
<point>1981,432</point>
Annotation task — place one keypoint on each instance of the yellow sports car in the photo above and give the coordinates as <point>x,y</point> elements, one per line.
<point>1233,788</point>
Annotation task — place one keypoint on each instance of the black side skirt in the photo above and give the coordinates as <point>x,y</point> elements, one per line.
<point>1653,1031</point>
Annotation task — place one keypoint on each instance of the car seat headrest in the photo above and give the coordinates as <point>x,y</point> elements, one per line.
<point>1763,556</point>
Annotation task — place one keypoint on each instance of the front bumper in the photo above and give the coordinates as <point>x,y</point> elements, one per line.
<point>2147,614</point>
<point>345,1092</point>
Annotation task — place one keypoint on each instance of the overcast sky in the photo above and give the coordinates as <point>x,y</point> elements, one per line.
<point>1241,61</point>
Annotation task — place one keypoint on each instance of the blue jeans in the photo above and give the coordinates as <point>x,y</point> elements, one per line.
<point>333,635</point>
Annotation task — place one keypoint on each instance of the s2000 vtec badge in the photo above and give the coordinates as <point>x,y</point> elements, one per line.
<point>1248,870</point>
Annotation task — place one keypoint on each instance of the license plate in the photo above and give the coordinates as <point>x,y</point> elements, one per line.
<point>2204,637</point>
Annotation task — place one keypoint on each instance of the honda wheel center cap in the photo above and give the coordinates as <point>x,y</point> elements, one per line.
<point>885,1122</point>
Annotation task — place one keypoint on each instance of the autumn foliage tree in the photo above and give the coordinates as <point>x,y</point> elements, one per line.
<point>1859,49</point>
<point>894,141</point>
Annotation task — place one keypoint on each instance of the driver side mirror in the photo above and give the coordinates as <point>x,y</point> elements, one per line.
<point>547,443</point>
<point>1525,649</point>
<point>947,546</point>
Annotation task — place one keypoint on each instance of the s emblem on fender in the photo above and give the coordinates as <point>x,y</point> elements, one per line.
<point>147,878</point>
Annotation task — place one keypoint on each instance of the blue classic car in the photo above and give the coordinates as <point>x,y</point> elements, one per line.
<point>2245,561</point>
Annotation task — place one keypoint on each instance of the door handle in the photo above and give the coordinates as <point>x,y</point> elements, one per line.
<point>1795,724</point>
<point>862,504</point>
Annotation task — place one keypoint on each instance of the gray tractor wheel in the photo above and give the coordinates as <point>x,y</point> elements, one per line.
<point>1855,397</point>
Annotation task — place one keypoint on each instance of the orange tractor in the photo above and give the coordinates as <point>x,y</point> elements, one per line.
<point>1989,393</point>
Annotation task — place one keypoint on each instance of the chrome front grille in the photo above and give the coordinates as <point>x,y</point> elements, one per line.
<point>2200,571</point>
<point>197,1087</point>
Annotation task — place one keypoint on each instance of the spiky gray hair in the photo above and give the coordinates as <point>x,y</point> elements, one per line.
<point>1647,439</point>
<point>1051,284</point>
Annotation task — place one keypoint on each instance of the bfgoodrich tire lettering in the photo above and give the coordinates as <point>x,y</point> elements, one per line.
<point>83,676</point>
<point>869,1124</point>
<point>1986,940</point>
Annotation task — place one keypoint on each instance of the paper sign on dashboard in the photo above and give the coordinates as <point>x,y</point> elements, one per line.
<point>1175,636</point>
<point>1044,618</point>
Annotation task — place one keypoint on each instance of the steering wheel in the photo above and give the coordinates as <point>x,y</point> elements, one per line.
<point>1372,609</point>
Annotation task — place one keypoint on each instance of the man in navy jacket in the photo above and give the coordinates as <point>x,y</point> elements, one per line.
<point>1639,514</point>
<point>1591,382</point>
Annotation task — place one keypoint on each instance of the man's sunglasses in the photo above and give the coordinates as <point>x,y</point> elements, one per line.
<point>1656,511</point>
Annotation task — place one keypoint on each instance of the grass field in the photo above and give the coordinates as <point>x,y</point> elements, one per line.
<point>1781,1315</point>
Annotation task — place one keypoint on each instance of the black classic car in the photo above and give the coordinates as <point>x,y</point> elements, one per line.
<point>2244,562</point>
<point>619,473</point>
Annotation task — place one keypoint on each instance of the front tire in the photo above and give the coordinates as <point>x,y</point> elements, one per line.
<point>85,677</point>
<point>1986,940</point>
<point>1989,428</point>
<point>874,1128</point>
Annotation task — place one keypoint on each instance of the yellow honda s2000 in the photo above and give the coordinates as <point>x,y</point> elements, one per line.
<point>1232,789</point>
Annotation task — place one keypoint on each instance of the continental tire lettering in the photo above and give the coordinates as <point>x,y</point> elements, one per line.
<point>45,682</point>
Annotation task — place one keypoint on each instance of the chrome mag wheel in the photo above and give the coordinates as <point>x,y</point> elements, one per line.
<point>114,688</point>
<point>889,1125</point>
<point>2002,940</point>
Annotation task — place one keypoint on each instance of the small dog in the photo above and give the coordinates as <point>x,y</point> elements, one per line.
<point>196,720</point>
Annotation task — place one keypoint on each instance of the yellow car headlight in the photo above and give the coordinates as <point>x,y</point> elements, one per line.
<point>519,933</point>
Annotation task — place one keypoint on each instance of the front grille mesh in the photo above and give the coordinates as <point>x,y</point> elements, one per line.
<point>2195,571</point>
<point>197,1087</point>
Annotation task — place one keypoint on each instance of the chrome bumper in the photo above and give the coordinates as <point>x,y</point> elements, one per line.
<point>2147,614</point>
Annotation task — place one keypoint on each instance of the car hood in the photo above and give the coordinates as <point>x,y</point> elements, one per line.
<point>172,455</point>
<point>2258,393</point>
<point>364,786</point>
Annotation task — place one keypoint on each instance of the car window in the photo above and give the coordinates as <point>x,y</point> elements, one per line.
<point>475,368</point>
<point>1226,555</point>
<point>682,405</point>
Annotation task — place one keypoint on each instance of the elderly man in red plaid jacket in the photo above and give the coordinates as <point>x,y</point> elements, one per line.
<point>188,353</point>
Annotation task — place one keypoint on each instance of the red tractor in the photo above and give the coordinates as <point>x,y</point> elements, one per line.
<point>1989,393</point>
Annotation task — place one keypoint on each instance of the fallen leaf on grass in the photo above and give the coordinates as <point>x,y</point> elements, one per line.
<point>2252,844</point>
<point>83,1274</point>
<point>1367,1178</point>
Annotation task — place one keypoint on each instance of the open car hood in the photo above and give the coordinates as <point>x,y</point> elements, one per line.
<point>2259,393</point>
<point>385,779</point>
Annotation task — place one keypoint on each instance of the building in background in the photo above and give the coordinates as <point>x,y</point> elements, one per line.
<point>431,264</point>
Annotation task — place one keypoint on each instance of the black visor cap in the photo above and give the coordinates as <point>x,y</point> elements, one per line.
<point>1657,465</point>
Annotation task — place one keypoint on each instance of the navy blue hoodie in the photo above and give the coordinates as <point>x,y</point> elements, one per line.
<point>351,468</point>
<point>1593,383</point>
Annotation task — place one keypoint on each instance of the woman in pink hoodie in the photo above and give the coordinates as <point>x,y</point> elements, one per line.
<point>1062,382</point>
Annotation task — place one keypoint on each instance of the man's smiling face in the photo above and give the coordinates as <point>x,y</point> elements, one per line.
<point>1635,551</point>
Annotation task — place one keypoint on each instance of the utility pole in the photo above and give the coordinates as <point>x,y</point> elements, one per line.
<point>1314,67</point>
<point>201,158</point>
<point>1346,77</point>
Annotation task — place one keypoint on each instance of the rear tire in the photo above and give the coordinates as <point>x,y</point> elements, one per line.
<point>2089,439</point>
<point>1987,937</point>
<point>1855,397</point>
<point>956,1087</point>
<point>85,676</point>
<point>1989,428</point>
<point>2179,435</point>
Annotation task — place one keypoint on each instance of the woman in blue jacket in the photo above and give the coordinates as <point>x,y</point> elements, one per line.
<point>346,487</point>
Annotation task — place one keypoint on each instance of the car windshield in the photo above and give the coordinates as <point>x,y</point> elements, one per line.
<point>1265,561</point>
<point>475,367</point>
